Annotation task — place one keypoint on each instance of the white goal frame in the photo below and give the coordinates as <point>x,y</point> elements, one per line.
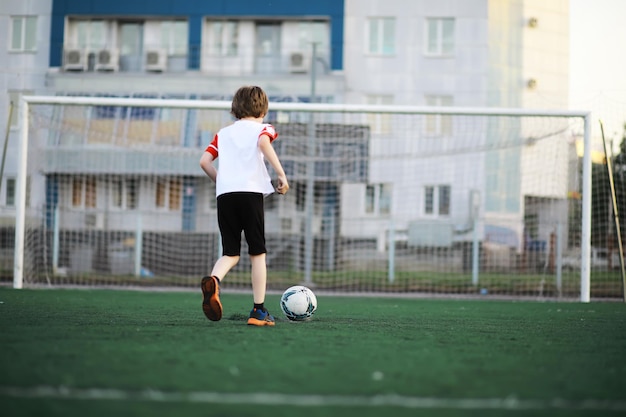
<point>27,101</point>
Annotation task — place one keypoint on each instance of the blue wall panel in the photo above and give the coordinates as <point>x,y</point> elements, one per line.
<point>52,199</point>
<point>195,11</point>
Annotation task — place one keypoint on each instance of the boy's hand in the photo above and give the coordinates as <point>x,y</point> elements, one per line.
<point>283,185</point>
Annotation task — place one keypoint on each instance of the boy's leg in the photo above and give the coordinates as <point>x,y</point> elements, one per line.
<point>259,278</point>
<point>254,229</point>
<point>223,265</point>
<point>259,316</point>
<point>211,304</point>
<point>230,230</point>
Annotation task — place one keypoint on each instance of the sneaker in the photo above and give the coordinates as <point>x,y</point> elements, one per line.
<point>211,304</point>
<point>260,318</point>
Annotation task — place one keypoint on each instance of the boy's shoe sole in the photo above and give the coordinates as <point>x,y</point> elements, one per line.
<point>267,319</point>
<point>211,305</point>
<point>257,322</point>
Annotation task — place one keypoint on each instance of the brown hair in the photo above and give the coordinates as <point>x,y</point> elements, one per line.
<point>249,101</point>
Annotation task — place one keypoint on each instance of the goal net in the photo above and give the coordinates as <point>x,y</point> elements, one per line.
<point>382,199</point>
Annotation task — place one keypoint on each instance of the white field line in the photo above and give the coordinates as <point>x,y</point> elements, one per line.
<point>262,398</point>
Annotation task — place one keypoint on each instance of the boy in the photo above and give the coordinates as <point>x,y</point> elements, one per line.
<point>241,185</point>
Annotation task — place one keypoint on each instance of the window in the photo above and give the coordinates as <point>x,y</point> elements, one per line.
<point>439,37</point>
<point>381,35</point>
<point>88,34</point>
<point>77,192</point>
<point>175,196</point>
<point>300,192</point>
<point>370,198</point>
<point>208,202</point>
<point>223,38</point>
<point>125,193</point>
<point>117,193</point>
<point>174,37</point>
<point>161,190</point>
<point>90,192</point>
<point>379,123</point>
<point>268,44</point>
<point>168,194</point>
<point>314,32</point>
<point>9,197</point>
<point>531,226</point>
<point>437,200</point>
<point>14,98</point>
<point>212,199</point>
<point>429,199</point>
<point>23,33</point>
<point>84,192</point>
<point>440,125</point>
<point>444,200</point>
<point>378,199</point>
<point>132,193</point>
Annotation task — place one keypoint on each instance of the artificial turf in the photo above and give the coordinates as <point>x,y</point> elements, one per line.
<point>101,352</point>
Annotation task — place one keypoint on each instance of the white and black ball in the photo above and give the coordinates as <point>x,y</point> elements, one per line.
<point>298,303</point>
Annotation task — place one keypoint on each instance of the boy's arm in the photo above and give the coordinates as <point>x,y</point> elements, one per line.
<point>206,163</point>
<point>207,158</point>
<point>270,154</point>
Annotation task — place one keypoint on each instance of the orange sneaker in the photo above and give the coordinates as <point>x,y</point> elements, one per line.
<point>260,318</point>
<point>211,304</point>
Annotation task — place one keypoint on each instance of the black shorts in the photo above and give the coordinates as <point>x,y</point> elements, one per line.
<point>237,212</point>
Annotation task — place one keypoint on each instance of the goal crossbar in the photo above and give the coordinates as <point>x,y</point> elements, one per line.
<point>308,107</point>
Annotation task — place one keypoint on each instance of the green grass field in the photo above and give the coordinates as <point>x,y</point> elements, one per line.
<point>106,352</point>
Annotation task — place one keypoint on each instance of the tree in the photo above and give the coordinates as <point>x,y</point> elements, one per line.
<point>619,181</point>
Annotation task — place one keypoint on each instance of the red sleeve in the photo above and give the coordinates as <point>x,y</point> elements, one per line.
<point>212,148</point>
<point>270,132</point>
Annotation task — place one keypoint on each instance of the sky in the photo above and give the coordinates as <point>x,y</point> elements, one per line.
<point>598,62</point>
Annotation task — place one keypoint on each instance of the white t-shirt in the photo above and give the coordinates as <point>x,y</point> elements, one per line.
<point>241,162</point>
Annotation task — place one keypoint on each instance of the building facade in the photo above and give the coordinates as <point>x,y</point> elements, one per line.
<point>481,53</point>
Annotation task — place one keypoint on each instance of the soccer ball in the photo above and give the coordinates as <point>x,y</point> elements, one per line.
<point>298,303</point>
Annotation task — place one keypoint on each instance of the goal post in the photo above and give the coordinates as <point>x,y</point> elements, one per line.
<point>383,198</point>
<point>20,205</point>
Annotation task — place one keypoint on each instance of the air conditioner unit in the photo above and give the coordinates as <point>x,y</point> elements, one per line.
<point>298,63</point>
<point>107,60</point>
<point>74,60</point>
<point>156,60</point>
